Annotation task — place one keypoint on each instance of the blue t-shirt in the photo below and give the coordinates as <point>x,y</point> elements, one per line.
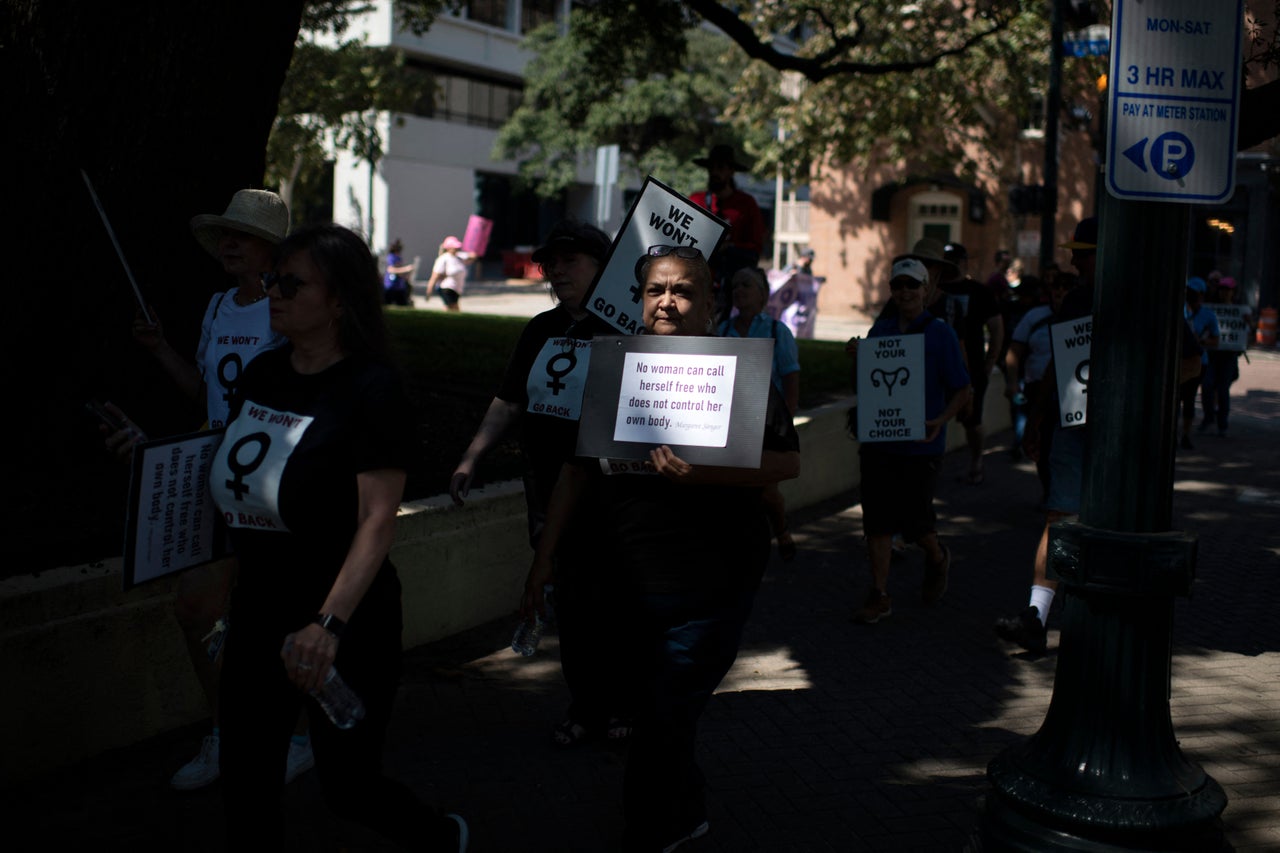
<point>944,374</point>
<point>1204,318</point>
<point>786,355</point>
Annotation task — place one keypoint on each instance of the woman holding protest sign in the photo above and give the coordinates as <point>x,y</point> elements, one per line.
<point>449,273</point>
<point>689,591</point>
<point>1223,368</point>
<point>309,478</point>
<point>750,295</point>
<point>541,398</point>
<point>236,328</point>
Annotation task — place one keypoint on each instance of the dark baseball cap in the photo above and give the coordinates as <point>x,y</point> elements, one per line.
<point>569,235</point>
<point>1085,238</point>
<point>955,252</point>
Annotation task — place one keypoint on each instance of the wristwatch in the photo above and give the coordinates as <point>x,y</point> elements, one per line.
<point>330,623</point>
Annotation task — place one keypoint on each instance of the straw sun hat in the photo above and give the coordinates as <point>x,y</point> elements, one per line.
<point>261,213</point>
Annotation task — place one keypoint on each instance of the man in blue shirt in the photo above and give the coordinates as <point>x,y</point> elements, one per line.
<point>899,477</point>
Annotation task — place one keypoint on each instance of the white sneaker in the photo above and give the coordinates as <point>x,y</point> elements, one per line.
<point>301,759</point>
<point>199,771</point>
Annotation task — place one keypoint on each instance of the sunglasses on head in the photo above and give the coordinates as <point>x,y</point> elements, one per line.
<point>287,282</point>
<point>907,283</point>
<point>689,253</point>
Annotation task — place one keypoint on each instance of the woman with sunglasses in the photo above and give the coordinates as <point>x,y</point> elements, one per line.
<point>688,590</point>
<point>308,478</point>
<point>899,477</point>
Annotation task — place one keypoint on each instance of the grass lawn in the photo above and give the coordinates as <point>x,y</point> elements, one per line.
<point>453,363</point>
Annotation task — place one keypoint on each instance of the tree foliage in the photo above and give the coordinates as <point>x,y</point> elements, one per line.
<point>639,75</point>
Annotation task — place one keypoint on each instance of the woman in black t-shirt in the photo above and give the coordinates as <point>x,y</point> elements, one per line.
<point>688,589</point>
<point>308,478</point>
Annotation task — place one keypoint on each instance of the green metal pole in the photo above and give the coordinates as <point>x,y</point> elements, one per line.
<point>1105,772</point>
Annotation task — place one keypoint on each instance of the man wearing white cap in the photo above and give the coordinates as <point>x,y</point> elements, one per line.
<point>898,478</point>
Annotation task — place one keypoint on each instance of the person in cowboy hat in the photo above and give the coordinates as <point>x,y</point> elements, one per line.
<point>745,240</point>
<point>449,273</point>
<point>235,330</point>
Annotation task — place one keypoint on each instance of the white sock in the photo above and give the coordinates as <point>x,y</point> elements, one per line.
<point>1042,600</point>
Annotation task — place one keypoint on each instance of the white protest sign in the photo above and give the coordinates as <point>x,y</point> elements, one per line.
<point>704,397</point>
<point>172,518</point>
<point>659,217</point>
<point>891,389</point>
<point>1233,326</point>
<point>675,399</point>
<point>251,463</point>
<point>1072,341</point>
<point>558,377</point>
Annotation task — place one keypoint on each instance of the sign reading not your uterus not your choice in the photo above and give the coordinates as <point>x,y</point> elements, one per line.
<point>659,217</point>
<point>704,397</point>
<point>1071,343</point>
<point>891,389</point>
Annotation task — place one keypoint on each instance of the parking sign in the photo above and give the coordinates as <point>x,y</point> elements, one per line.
<point>1175,97</point>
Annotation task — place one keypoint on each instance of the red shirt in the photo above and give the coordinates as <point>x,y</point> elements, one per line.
<point>746,224</point>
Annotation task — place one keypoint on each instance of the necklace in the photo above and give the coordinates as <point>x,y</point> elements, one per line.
<point>248,300</point>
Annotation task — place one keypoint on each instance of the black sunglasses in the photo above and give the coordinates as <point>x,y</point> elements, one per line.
<point>689,253</point>
<point>907,283</point>
<point>288,283</point>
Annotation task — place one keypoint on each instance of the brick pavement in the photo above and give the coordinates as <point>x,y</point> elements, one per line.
<point>826,736</point>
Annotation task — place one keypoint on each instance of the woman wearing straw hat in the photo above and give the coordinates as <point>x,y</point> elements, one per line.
<point>449,273</point>
<point>236,328</point>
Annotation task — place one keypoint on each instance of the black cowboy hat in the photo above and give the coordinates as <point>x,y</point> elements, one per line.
<point>721,154</point>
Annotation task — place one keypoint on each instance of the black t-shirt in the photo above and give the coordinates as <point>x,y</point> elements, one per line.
<point>284,476</point>
<point>545,378</point>
<point>966,306</point>
<point>667,537</point>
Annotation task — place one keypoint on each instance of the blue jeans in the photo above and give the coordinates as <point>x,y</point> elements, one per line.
<point>687,642</point>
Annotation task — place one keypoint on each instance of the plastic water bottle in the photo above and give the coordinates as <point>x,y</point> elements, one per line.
<point>528,635</point>
<point>340,703</point>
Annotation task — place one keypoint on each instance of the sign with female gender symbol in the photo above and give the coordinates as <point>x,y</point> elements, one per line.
<point>1072,341</point>
<point>891,389</point>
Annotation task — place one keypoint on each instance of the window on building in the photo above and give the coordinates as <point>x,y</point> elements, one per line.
<point>535,13</point>
<point>495,13</point>
<point>935,215</point>
<point>468,99</point>
<point>1033,116</point>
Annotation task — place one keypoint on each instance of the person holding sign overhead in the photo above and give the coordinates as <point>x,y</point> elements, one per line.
<point>899,477</point>
<point>689,589</point>
<point>309,478</point>
<point>449,273</point>
<point>541,398</point>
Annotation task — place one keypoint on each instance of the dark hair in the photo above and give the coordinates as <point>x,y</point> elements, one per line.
<point>352,275</point>
<point>396,246</point>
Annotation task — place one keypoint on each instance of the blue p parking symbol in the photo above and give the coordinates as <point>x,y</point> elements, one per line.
<point>1172,155</point>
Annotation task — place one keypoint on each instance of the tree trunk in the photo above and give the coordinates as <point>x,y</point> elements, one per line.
<point>167,107</point>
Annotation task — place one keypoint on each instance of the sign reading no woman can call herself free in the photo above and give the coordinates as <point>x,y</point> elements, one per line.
<point>172,520</point>
<point>704,397</point>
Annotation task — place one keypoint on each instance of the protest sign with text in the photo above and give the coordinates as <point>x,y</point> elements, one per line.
<point>659,217</point>
<point>704,397</point>
<point>1233,326</point>
<point>1072,341</point>
<point>475,241</point>
<point>172,521</point>
<point>891,389</point>
<point>793,300</point>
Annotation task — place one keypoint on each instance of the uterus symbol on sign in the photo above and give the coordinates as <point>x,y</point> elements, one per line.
<point>1082,375</point>
<point>570,359</point>
<point>890,378</point>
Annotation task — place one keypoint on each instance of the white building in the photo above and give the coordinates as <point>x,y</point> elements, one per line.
<point>437,168</point>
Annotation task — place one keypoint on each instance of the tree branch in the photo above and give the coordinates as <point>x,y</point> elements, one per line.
<point>819,68</point>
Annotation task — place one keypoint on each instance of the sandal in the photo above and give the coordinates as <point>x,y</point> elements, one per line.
<point>569,734</point>
<point>619,729</point>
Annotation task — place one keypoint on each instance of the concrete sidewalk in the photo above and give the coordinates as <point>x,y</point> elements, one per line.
<point>826,736</point>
